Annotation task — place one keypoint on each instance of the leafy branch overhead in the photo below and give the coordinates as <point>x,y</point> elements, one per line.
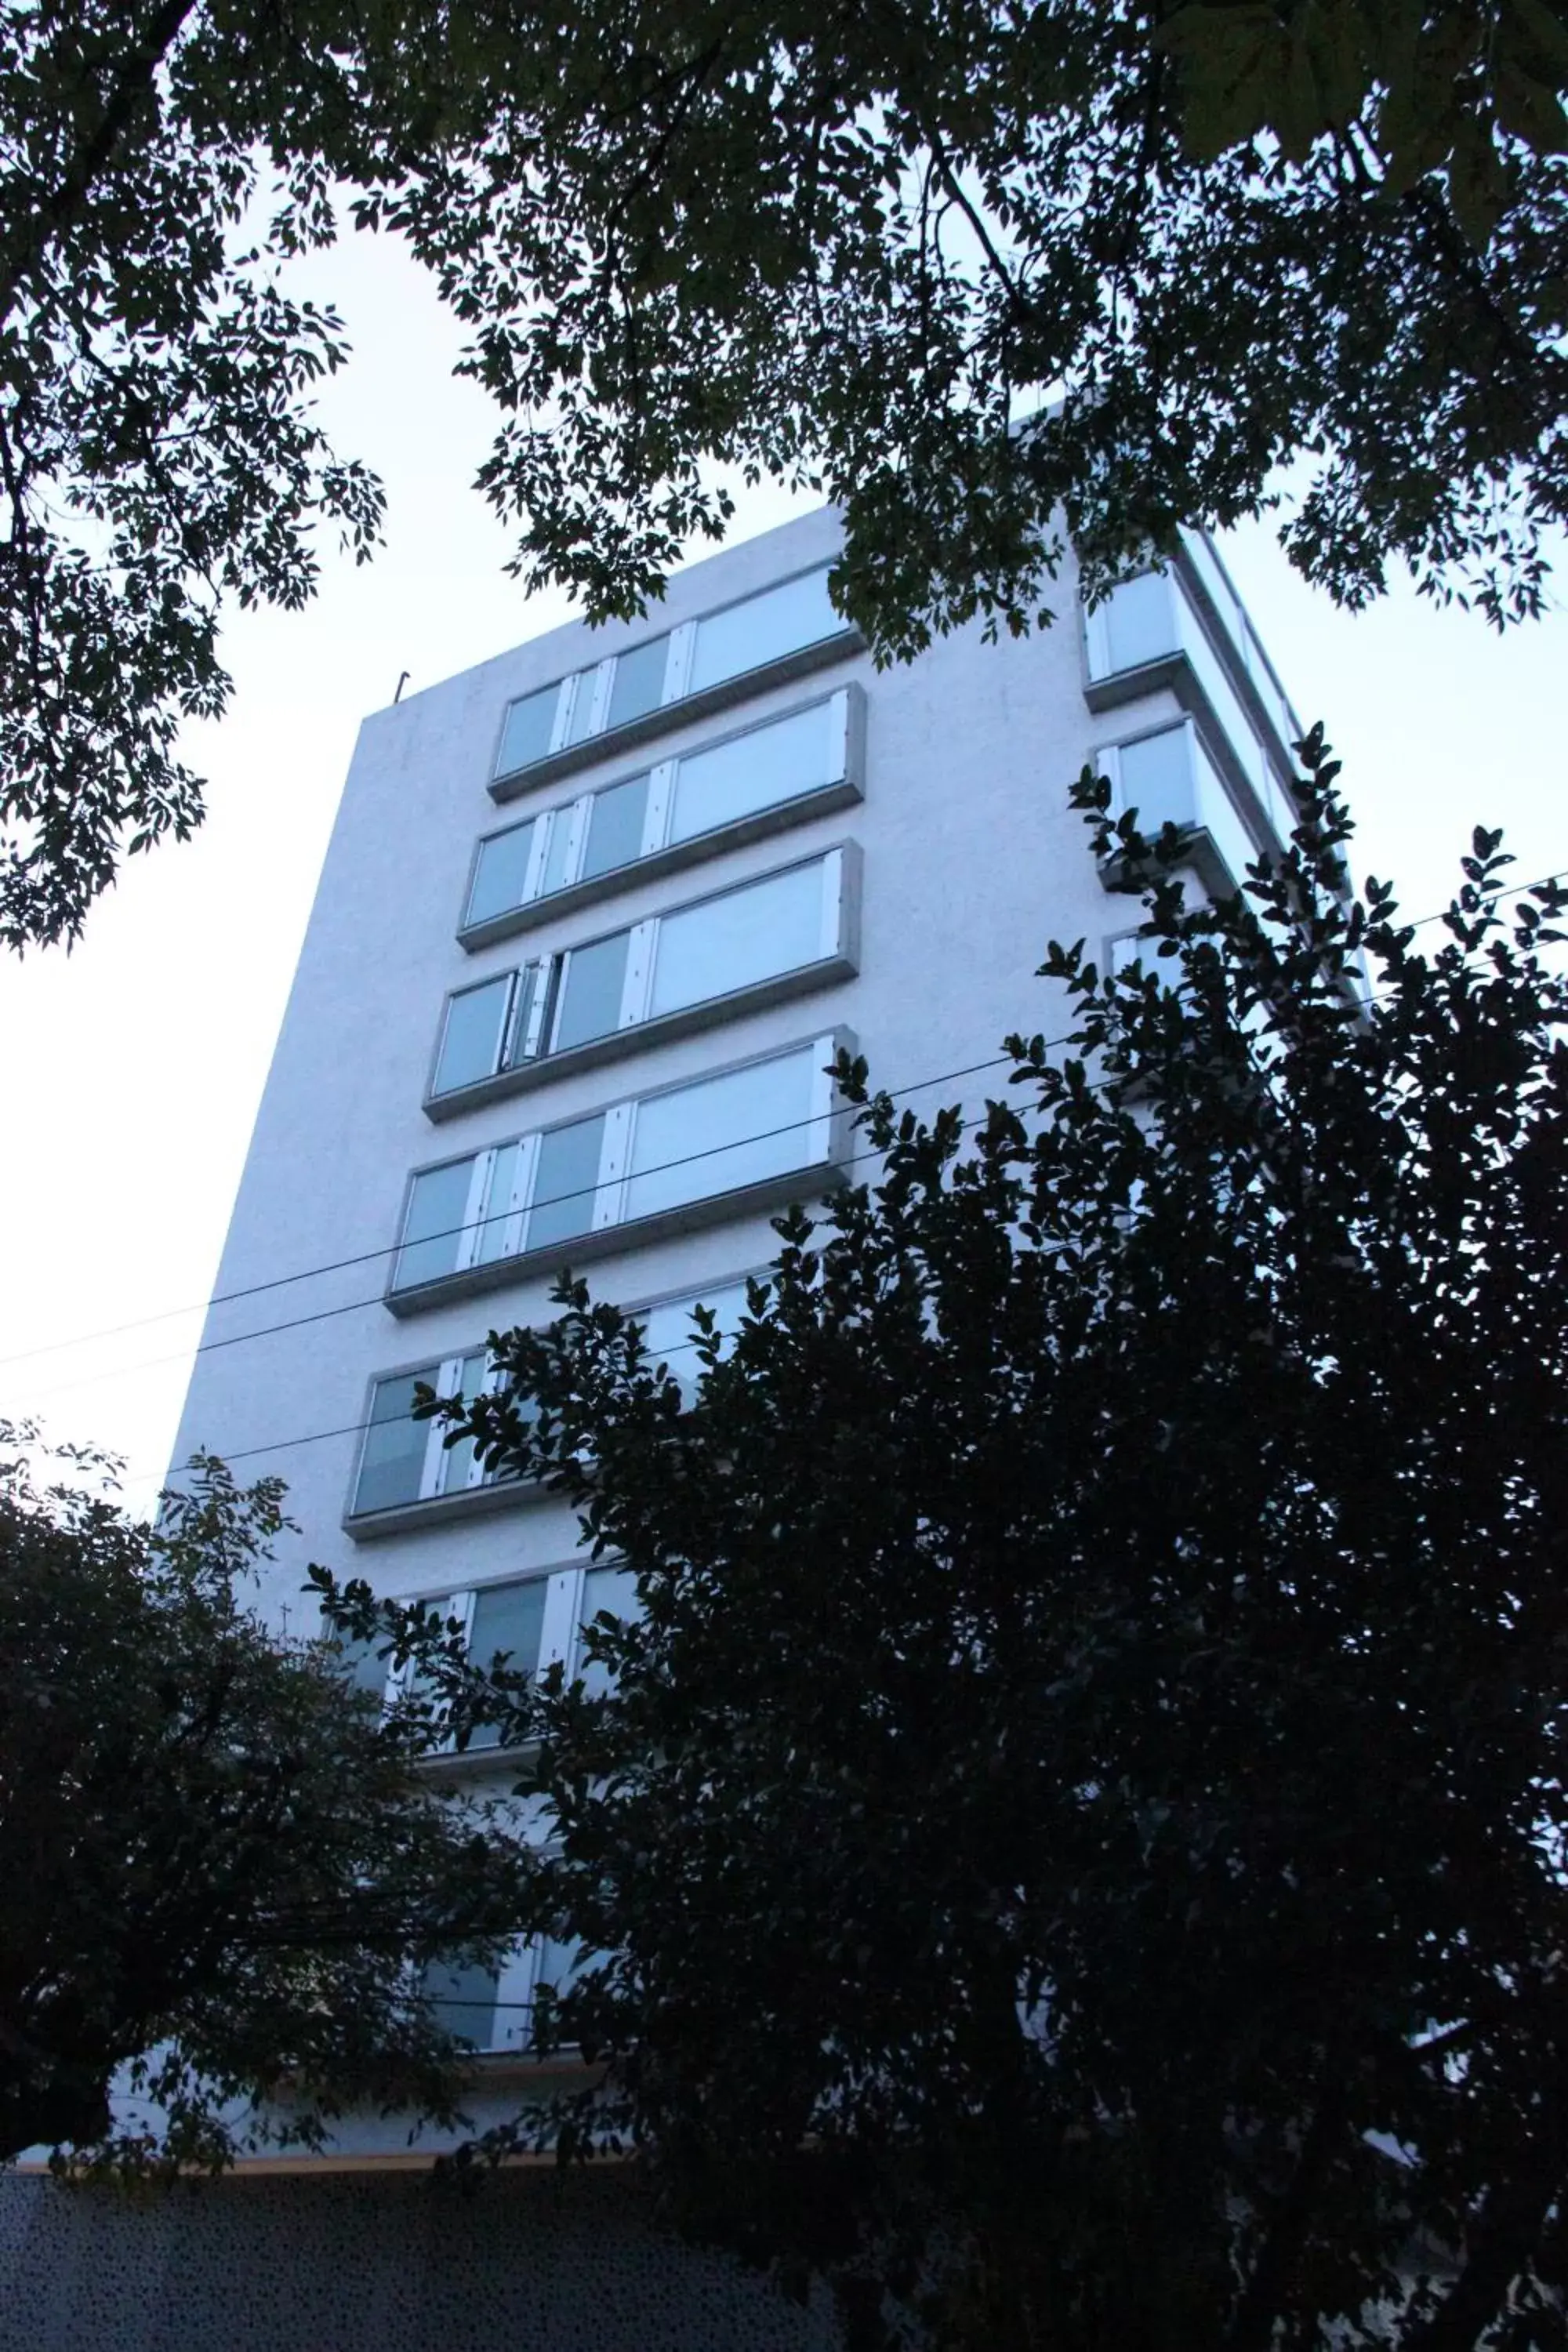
<point>993,277</point>
<point>1069,1811</point>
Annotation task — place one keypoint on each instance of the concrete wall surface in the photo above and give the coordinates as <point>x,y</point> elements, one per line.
<point>355,2263</point>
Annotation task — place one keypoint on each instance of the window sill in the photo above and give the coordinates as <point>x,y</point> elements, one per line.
<point>574,757</point>
<point>642,1037</point>
<point>823,802</point>
<point>804,1184</point>
<point>433,1510</point>
<point>1200,852</point>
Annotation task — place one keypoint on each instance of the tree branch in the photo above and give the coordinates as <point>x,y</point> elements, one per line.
<point>64,204</point>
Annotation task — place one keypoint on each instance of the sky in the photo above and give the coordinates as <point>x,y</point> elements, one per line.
<point>131,1067</point>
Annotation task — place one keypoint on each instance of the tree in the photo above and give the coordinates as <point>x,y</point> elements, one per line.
<point>223,1874</point>
<point>1073,1844</point>
<point>993,277</point>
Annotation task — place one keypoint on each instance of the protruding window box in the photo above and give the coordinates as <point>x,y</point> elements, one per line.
<point>751,1137</point>
<point>1167,777</point>
<point>762,942</point>
<point>1151,634</point>
<point>806,763</point>
<point>765,640</point>
<point>408,1475</point>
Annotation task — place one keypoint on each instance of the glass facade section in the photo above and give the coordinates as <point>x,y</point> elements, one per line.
<point>614,833</point>
<point>463,1997</point>
<point>474,1034</point>
<point>734,942</point>
<point>510,1618</point>
<point>638,682</point>
<point>501,873</point>
<point>592,986</point>
<point>760,629</point>
<point>723,1132</point>
<point>529,726</point>
<point>433,1230</point>
<point>751,771</point>
<point>565,1186</point>
<point>763,628</point>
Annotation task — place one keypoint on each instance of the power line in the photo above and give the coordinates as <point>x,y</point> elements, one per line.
<point>365,1257</point>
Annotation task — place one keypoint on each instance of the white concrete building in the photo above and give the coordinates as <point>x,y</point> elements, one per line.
<point>594,918</point>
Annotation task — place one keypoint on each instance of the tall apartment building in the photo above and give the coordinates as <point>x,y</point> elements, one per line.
<point>594,918</point>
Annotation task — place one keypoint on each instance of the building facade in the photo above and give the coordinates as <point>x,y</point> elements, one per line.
<point>594,918</point>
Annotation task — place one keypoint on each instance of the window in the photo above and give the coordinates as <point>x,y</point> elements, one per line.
<point>809,756</point>
<point>768,1120</point>
<point>405,1461</point>
<point>694,659</point>
<point>1155,618</point>
<point>531,1622</point>
<point>799,922</point>
<point>491,2009</point>
<point>1167,777</point>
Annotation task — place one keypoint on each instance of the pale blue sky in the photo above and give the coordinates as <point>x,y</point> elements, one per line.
<point>132,1067</point>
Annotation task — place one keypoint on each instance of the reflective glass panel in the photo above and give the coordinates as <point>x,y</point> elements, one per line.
<point>747,935</point>
<point>1139,621</point>
<point>1157,780</point>
<point>464,2001</point>
<point>498,1205</point>
<point>458,1461</point>
<point>779,621</point>
<point>671,1335</point>
<point>752,771</point>
<point>565,1186</point>
<point>471,1040</point>
<point>638,682</point>
<point>529,726</point>
<point>615,826</point>
<point>611,1591</point>
<point>723,1132</point>
<point>508,1617</point>
<point>501,873</point>
<point>590,1001</point>
<point>392,1462</point>
<point>433,1229</point>
<point>557,850</point>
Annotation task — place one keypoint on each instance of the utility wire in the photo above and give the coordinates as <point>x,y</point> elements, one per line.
<point>365,1257</point>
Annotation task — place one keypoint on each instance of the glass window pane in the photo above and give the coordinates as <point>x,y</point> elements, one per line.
<point>639,683</point>
<point>458,1461</point>
<point>508,1617</point>
<point>565,1186</point>
<point>671,1335</point>
<point>1139,621</point>
<point>464,2001</point>
<point>501,873</point>
<point>582,720</point>
<point>591,991</point>
<point>392,1462</point>
<point>471,1041</point>
<point>498,1205</point>
<point>611,1591</point>
<point>529,726</point>
<point>779,621</point>
<point>722,1132</point>
<point>752,771</point>
<point>747,935</point>
<point>615,826</point>
<point>433,1229</point>
<point>557,850</point>
<point>1157,780</point>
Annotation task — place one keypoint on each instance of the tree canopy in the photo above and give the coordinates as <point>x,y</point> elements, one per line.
<point>1072,1827</point>
<point>993,276</point>
<point>223,1872</point>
